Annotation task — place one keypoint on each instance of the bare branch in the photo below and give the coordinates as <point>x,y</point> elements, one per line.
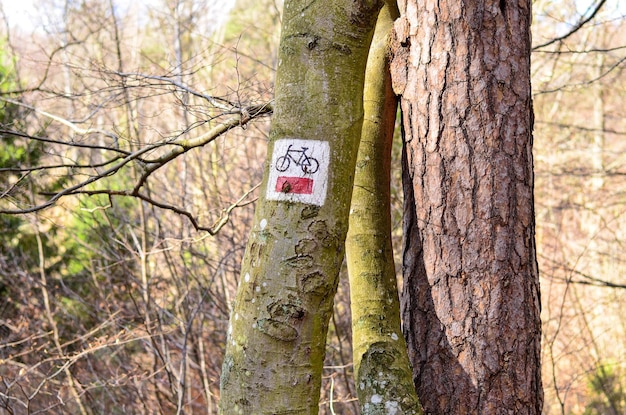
<point>575,29</point>
<point>182,146</point>
<point>71,125</point>
<point>13,186</point>
<point>212,230</point>
<point>57,166</point>
<point>586,278</point>
<point>584,51</point>
<point>70,190</point>
<point>581,128</point>
<point>583,84</point>
<point>63,143</point>
<point>215,101</point>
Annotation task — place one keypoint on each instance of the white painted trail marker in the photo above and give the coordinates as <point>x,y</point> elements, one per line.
<point>299,171</point>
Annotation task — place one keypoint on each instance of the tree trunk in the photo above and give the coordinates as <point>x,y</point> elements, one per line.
<point>278,325</point>
<point>471,291</point>
<point>381,365</point>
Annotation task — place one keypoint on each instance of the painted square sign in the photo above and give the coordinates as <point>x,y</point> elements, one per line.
<point>299,171</point>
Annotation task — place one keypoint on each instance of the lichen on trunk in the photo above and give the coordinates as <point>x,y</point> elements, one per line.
<point>382,370</point>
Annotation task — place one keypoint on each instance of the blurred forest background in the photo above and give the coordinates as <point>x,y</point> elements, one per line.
<point>132,142</point>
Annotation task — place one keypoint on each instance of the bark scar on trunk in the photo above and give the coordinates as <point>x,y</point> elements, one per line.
<point>277,329</point>
<point>315,283</point>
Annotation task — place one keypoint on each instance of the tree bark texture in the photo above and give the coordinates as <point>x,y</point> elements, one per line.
<point>277,331</point>
<point>383,375</point>
<point>471,293</point>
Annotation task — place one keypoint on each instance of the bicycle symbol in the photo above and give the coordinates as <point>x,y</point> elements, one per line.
<point>308,164</point>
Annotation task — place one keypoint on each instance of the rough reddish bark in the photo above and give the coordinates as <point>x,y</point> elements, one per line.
<point>471,290</point>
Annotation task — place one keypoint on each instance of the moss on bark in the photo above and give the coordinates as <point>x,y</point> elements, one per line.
<point>382,370</point>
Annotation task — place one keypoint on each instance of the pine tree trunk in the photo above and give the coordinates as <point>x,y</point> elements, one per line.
<point>471,290</point>
<point>381,365</point>
<point>278,326</point>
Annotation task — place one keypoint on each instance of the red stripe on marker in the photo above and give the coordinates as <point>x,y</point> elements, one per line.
<point>297,185</point>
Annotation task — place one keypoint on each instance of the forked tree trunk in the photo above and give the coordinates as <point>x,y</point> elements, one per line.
<point>278,326</point>
<point>382,371</point>
<point>471,290</point>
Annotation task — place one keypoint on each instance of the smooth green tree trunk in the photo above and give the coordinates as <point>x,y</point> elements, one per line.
<point>277,331</point>
<point>382,370</point>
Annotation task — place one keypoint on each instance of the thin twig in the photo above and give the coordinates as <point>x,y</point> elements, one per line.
<point>575,29</point>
